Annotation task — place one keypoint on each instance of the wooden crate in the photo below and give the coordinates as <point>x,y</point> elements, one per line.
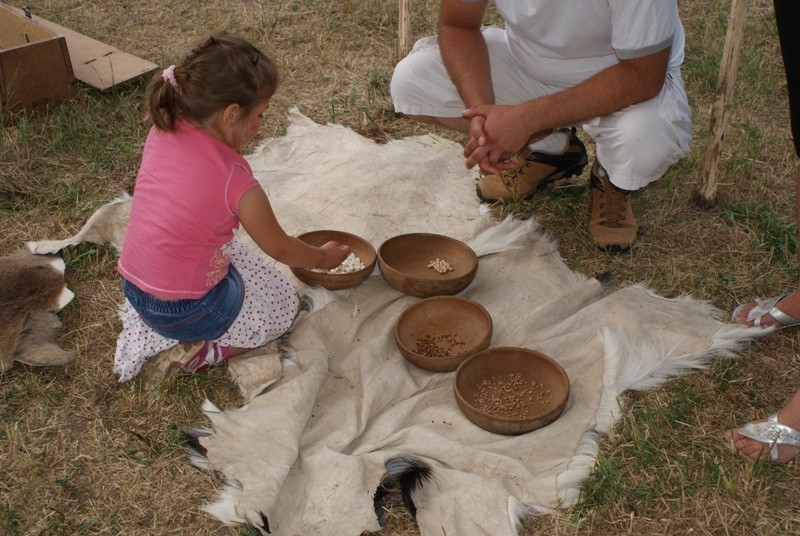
<point>35,66</point>
<point>95,63</point>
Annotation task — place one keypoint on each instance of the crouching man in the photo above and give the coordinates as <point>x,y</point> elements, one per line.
<point>611,67</point>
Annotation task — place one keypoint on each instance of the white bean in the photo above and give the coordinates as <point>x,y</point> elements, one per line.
<point>440,265</point>
<point>350,265</point>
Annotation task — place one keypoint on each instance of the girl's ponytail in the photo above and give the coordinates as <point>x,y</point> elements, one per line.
<point>162,98</point>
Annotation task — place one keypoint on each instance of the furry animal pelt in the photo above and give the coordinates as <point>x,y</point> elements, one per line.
<point>32,290</point>
<point>349,424</point>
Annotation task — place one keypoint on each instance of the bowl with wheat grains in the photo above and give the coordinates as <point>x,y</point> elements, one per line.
<point>356,268</point>
<point>511,390</point>
<point>438,333</point>
<point>427,264</point>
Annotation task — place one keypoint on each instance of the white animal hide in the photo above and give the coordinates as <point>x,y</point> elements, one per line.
<point>308,454</point>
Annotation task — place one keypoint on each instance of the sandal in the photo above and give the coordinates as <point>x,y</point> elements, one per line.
<point>164,367</point>
<point>769,307</point>
<point>772,433</point>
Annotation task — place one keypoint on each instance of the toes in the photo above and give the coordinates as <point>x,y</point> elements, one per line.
<point>740,315</point>
<point>749,448</point>
<point>728,437</point>
<point>754,450</point>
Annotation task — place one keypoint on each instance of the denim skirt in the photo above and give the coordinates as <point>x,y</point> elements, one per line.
<point>191,320</point>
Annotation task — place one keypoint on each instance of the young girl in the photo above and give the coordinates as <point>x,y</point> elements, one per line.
<point>194,295</point>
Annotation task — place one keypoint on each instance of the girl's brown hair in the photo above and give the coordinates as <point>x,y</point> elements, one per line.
<point>224,69</point>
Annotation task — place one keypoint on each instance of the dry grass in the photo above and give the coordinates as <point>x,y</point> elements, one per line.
<point>81,454</point>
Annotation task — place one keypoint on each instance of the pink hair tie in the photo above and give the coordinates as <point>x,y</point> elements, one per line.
<point>169,76</point>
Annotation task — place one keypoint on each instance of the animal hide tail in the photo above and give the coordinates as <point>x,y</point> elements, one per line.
<point>224,509</point>
<point>605,278</point>
<point>506,235</point>
<point>198,454</point>
<point>405,474</point>
<point>315,298</point>
<point>509,234</point>
<point>106,226</point>
<point>286,349</point>
<point>264,524</point>
<point>311,300</point>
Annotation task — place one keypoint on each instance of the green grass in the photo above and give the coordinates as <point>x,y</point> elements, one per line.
<point>774,235</point>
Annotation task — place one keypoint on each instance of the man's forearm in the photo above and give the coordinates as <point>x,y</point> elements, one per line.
<point>467,61</point>
<point>609,91</point>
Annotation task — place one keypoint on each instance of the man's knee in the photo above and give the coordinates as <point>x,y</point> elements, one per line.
<point>638,147</point>
<point>402,81</point>
<point>421,86</point>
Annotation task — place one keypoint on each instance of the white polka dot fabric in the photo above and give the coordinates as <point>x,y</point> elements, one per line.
<point>270,305</point>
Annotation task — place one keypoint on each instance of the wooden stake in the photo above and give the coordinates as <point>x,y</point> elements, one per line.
<point>706,193</point>
<point>404,29</point>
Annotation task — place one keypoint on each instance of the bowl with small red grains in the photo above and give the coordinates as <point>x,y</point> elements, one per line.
<point>438,333</point>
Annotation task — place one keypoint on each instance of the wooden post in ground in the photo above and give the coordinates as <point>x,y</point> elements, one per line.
<point>404,29</point>
<point>706,193</point>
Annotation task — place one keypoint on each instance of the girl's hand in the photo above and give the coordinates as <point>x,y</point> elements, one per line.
<point>258,219</point>
<point>335,254</point>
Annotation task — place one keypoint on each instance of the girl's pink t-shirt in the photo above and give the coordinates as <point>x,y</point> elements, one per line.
<point>184,213</point>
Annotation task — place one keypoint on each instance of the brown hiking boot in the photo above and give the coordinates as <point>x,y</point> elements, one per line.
<point>536,169</point>
<point>612,223</point>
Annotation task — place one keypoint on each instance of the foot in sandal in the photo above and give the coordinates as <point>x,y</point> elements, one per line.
<point>775,438</point>
<point>780,311</point>
<point>164,367</point>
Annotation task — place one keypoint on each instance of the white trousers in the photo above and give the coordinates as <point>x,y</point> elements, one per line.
<point>635,145</point>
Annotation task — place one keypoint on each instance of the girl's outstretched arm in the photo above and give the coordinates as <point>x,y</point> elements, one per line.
<point>258,219</point>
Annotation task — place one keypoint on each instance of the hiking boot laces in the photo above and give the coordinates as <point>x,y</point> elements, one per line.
<point>510,177</point>
<point>613,203</point>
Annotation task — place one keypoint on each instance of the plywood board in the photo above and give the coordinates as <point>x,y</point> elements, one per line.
<point>35,67</point>
<point>95,63</point>
<point>33,74</point>
<point>16,31</point>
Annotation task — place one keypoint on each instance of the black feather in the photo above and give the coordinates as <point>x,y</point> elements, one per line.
<point>192,437</point>
<point>380,501</point>
<point>405,474</point>
<point>606,278</point>
<point>264,523</point>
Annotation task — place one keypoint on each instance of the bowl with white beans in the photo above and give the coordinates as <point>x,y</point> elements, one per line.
<point>427,264</point>
<point>354,270</point>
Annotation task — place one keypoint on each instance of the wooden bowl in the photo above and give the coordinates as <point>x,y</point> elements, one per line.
<point>362,249</point>
<point>403,262</point>
<point>440,332</point>
<point>510,391</point>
